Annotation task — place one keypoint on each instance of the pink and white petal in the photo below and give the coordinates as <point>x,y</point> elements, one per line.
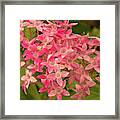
<point>41,90</point>
<point>78,87</point>
<point>28,73</point>
<point>22,63</point>
<point>64,74</point>
<point>60,82</point>
<point>97,68</point>
<point>41,76</point>
<point>43,81</point>
<point>87,91</point>
<point>31,66</point>
<point>97,78</point>
<point>59,97</point>
<point>49,56</point>
<point>88,67</point>
<point>75,65</point>
<point>64,84</point>
<point>87,58</point>
<point>54,85</point>
<point>62,66</point>
<point>27,83</point>
<point>91,83</point>
<point>69,31</point>
<point>82,79</point>
<point>65,93</point>
<point>72,24</point>
<point>84,47</point>
<point>68,67</point>
<point>52,93</point>
<point>90,51</point>
<point>86,75</point>
<point>76,96</point>
<point>51,76</point>
<point>24,89</point>
<point>32,79</point>
<point>50,69</point>
<point>23,77</point>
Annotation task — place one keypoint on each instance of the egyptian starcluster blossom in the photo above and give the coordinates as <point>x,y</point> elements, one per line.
<point>61,58</point>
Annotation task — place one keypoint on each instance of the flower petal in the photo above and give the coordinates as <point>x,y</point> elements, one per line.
<point>60,82</point>
<point>42,90</point>
<point>88,67</point>
<point>97,68</point>
<point>64,84</point>
<point>87,58</point>
<point>41,76</point>
<point>78,88</point>
<point>31,66</point>
<point>23,77</point>
<point>91,83</point>
<point>76,96</point>
<point>32,79</point>
<point>59,97</point>
<point>22,63</point>
<point>52,93</point>
<point>64,74</point>
<point>65,93</point>
<point>97,78</point>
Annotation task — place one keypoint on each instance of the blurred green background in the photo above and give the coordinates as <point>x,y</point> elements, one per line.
<point>91,27</point>
<point>84,27</point>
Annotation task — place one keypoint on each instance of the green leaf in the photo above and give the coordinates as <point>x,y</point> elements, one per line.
<point>94,93</point>
<point>93,74</point>
<point>37,73</point>
<point>39,85</point>
<point>22,50</point>
<point>95,32</point>
<point>31,61</point>
<point>23,96</point>
<point>30,33</point>
<point>22,71</point>
<point>33,92</point>
<point>66,98</point>
<point>82,28</point>
<point>92,55</point>
<point>83,62</point>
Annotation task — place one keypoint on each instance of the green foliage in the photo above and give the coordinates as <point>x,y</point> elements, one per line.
<point>31,62</point>
<point>83,62</point>
<point>22,71</point>
<point>22,49</point>
<point>33,92</point>
<point>30,33</point>
<point>92,55</point>
<point>94,93</point>
<point>84,27</point>
<point>39,85</point>
<point>37,73</point>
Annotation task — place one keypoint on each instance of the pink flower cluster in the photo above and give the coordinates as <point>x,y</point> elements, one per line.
<point>58,49</point>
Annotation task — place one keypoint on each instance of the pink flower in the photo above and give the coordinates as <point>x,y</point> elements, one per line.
<point>79,75</point>
<point>59,75</point>
<point>94,63</point>
<point>27,79</point>
<point>46,83</point>
<point>58,91</point>
<point>94,42</point>
<point>22,63</point>
<point>81,91</point>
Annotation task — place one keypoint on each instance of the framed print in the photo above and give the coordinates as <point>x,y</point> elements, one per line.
<point>60,59</point>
